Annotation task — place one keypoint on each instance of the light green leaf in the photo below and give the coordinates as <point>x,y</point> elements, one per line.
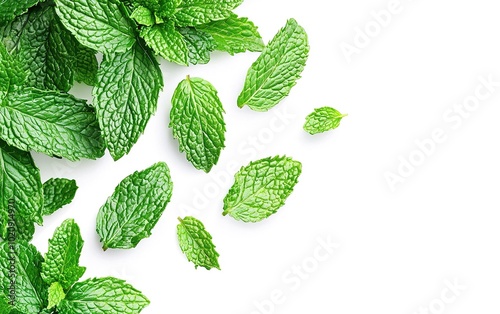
<point>129,215</point>
<point>197,243</point>
<point>143,16</point>
<point>62,259</point>
<point>103,296</point>
<point>51,123</point>
<point>197,121</point>
<point>261,188</point>
<point>102,25</point>
<point>21,194</point>
<point>323,119</point>
<point>57,192</point>
<point>167,42</point>
<point>28,287</point>
<point>56,295</point>
<point>277,69</point>
<point>9,9</point>
<point>126,97</point>
<point>199,44</point>
<point>234,35</point>
<point>197,12</point>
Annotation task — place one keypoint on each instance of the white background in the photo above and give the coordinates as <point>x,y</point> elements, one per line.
<point>397,248</point>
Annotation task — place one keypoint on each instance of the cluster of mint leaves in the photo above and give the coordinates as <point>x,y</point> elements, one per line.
<point>47,46</point>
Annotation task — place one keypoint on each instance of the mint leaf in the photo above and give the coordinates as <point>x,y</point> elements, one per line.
<point>11,73</point>
<point>163,8</point>
<point>261,188</point>
<point>102,25</point>
<point>21,193</point>
<point>126,97</point>
<point>21,263</point>
<point>167,42</point>
<point>57,192</point>
<point>234,35</point>
<point>197,122</point>
<point>5,307</point>
<point>143,16</point>
<point>85,66</point>
<point>62,259</point>
<point>323,119</point>
<point>197,243</point>
<point>103,296</point>
<point>12,8</point>
<point>277,69</point>
<point>135,207</point>
<point>199,45</point>
<point>56,295</point>
<point>51,123</point>
<point>197,12</point>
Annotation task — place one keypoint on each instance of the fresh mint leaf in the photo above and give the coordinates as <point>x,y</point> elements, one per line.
<point>197,243</point>
<point>234,35</point>
<point>56,295</point>
<point>57,192</point>
<point>62,259</point>
<point>21,194</point>
<point>167,42</point>
<point>323,119</point>
<point>50,122</point>
<point>261,188</point>
<point>277,69</point>
<point>20,262</point>
<point>126,97</point>
<point>11,73</point>
<point>5,307</point>
<point>9,9</point>
<point>143,16</point>
<point>197,12</point>
<point>103,296</point>
<point>197,121</point>
<point>85,66</point>
<point>135,207</point>
<point>199,45</point>
<point>162,8</point>
<point>101,25</point>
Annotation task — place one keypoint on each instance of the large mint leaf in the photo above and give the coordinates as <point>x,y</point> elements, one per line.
<point>129,215</point>
<point>323,119</point>
<point>62,259</point>
<point>234,35</point>
<point>197,243</point>
<point>199,45</point>
<point>21,194</point>
<point>21,263</point>
<point>261,188</point>
<point>197,121</point>
<point>197,12</point>
<point>167,42</point>
<point>57,192</point>
<point>52,123</point>
<point>9,9</point>
<point>126,97</point>
<point>103,296</point>
<point>102,25</point>
<point>277,69</point>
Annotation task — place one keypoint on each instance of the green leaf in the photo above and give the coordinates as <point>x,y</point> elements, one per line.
<point>62,259</point>
<point>197,12</point>
<point>162,8</point>
<point>56,295</point>
<point>51,123</point>
<point>102,25</point>
<point>11,73</point>
<point>5,307</point>
<point>85,66</point>
<point>197,121</point>
<point>9,9</point>
<point>234,35</point>
<point>199,45</point>
<point>21,194</point>
<point>197,243</point>
<point>21,263</point>
<point>103,296</point>
<point>277,69</point>
<point>126,97</point>
<point>167,42</point>
<point>143,16</point>
<point>57,192</point>
<point>135,207</point>
<point>261,188</point>
<point>323,119</point>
